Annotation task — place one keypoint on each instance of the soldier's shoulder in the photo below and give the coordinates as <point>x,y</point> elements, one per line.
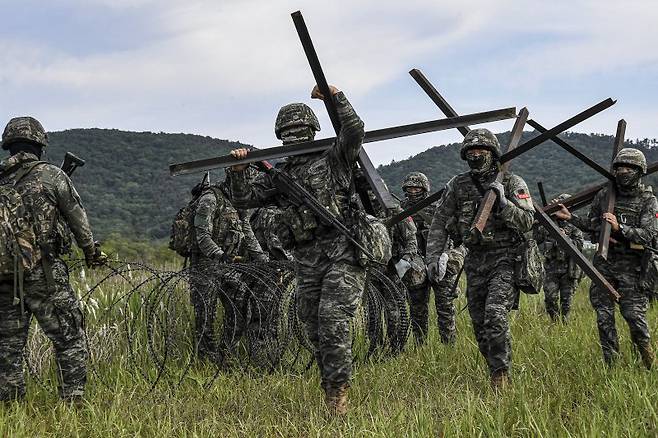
<point>515,180</point>
<point>44,168</point>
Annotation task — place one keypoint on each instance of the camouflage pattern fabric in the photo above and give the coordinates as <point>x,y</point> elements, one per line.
<point>626,267</point>
<point>222,237</point>
<point>489,264</point>
<point>330,280</point>
<point>271,234</point>
<point>561,272</point>
<point>24,129</point>
<point>54,205</point>
<point>59,316</point>
<point>419,286</point>
<point>445,293</point>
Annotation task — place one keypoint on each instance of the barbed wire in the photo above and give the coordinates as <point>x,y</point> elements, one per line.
<point>154,324</point>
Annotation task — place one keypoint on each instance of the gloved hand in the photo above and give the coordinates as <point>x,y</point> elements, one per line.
<point>500,194</point>
<point>436,270</point>
<point>94,257</point>
<point>402,267</point>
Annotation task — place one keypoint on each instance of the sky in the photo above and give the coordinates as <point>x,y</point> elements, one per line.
<point>223,68</point>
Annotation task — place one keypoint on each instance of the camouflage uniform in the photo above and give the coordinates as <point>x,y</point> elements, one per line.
<point>54,205</point>
<point>330,280</point>
<point>636,209</point>
<point>222,237</point>
<point>562,273</point>
<point>404,247</point>
<point>489,264</point>
<point>272,235</point>
<point>417,282</point>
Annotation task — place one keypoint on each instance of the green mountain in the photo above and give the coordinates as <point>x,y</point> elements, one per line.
<point>127,190</point>
<point>125,183</point>
<point>548,163</point>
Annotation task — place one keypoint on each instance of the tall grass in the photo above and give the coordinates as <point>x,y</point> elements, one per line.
<point>560,387</point>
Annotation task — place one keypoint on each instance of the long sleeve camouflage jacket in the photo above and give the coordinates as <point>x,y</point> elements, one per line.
<point>220,230</point>
<point>52,201</point>
<point>327,176</point>
<point>458,206</point>
<point>636,212</point>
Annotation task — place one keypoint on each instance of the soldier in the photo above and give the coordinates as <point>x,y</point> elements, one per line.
<point>54,207</point>
<point>403,262</point>
<point>634,225</point>
<point>489,264</point>
<point>416,187</point>
<point>272,235</point>
<point>330,279</point>
<point>562,273</point>
<point>221,237</point>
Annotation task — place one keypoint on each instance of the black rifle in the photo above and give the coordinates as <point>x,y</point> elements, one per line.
<point>70,163</point>
<point>297,195</point>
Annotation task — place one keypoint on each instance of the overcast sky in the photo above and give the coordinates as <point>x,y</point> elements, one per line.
<point>223,68</point>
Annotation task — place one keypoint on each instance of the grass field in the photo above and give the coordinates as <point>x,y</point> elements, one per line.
<point>559,388</point>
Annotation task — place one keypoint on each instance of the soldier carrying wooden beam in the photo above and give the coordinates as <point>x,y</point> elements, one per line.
<point>498,242</point>
<point>629,219</point>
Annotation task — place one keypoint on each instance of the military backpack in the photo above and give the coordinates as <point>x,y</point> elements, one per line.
<point>19,250</point>
<point>183,235</point>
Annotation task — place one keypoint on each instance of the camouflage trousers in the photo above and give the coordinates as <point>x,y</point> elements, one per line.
<point>58,313</point>
<point>445,294</point>
<point>328,295</point>
<point>491,294</point>
<point>559,287</point>
<point>624,274</point>
<point>245,310</point>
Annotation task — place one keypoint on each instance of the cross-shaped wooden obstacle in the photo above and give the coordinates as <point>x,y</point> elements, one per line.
<point>486,205</point>
<point>375,181</point>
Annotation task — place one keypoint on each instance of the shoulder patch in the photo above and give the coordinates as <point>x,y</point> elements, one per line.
<point>521,194</point>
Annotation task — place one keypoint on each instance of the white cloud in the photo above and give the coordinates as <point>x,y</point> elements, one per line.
<point>223,68</point>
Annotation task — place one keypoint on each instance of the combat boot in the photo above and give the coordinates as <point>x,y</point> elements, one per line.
<point>648,356</point>
<point>336,399</point>
<point>499,380</point>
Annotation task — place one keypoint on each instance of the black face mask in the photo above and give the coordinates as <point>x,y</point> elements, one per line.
<point>628,180</point>
<point>479,163</point>
<point>415,197</point>
<point>297,135</point>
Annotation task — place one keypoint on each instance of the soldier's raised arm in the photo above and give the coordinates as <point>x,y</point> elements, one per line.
<point>350,138</point>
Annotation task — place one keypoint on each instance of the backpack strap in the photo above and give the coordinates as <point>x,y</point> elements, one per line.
<point>25,169</point>
<point>46,252</point>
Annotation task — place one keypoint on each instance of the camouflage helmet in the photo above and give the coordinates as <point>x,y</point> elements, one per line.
<point>631,157</point>
<point>293,115</point>
<point>24,128</point>
<point>416,179</point>
<point>480,138</point>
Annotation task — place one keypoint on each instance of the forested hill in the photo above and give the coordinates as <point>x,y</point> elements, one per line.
<point>125,183</point>
<point>558,170</point>
<point>127,190</point>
